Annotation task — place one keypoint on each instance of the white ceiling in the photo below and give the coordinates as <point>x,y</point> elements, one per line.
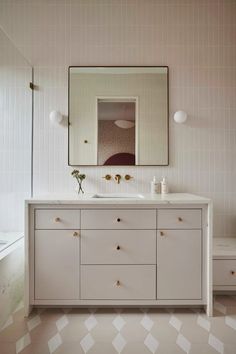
<point>116,110</point>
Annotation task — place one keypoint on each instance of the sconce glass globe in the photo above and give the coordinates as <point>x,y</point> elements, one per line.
<point>56,117</point>
<point>180,117</point>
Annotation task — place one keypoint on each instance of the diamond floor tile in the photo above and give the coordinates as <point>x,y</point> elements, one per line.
<point>122,331</point>
<point>119,343</point>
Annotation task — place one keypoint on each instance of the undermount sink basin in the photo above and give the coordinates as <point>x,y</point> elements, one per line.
<point>118,195</point>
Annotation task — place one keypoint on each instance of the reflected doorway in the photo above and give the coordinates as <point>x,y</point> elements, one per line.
<point>117,130</point>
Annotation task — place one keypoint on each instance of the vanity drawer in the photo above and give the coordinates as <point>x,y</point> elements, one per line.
<point>224,272</point>
<point>179,219</point>
<point>57,219</point>
<point>118,282</point>
<point>118,247</point>
<point>118,219</point>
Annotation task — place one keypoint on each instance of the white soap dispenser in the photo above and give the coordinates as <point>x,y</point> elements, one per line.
<point>164,186</point>
<point>155,186</point>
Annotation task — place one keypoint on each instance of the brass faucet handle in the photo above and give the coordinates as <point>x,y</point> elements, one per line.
<point>128,177</point>
<point>118,178</point>
<point>107,177</point>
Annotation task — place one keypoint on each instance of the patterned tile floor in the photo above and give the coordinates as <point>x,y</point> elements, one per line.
<point>126,331</point>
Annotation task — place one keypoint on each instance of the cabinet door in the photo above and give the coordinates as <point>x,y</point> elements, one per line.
<point>56,264</point>
<point>179,268</point>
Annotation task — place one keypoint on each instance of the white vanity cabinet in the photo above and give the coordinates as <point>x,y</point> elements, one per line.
<point>179,264</point>
<point>56,253</point>
<point>179,254</point>
<point>224,264</point>
<point>118,249</point>
<point>56,264</point>
<point>149,252</point>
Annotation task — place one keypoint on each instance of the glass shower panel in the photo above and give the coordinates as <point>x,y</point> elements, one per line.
<point>15,135</point>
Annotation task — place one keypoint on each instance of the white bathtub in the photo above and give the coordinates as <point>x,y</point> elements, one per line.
<point>11,273</point>
<point>9,241</point>
<point>3,244</point>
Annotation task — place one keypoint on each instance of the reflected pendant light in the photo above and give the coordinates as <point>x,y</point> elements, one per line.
<point>124,124</point>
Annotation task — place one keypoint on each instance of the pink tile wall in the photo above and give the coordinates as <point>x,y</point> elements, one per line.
<point>197,39</point>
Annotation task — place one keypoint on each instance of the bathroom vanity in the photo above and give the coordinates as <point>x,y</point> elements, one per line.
<point>224,264</point>
<point>135,251</point>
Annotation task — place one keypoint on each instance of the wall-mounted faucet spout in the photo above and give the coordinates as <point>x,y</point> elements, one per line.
<point>118,178</point>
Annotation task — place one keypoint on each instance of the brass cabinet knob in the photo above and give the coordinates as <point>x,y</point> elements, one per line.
<point>180,219</point>
<point>117,283</point>
<point>118,219</point>
<point>232,272</point>
<point>86,141</point>
<point>57,219</point>
<point>128,177</point>
<point>118,247</point>
<point>107,177</point>
<point>162,233</point>
<point>75,234</point>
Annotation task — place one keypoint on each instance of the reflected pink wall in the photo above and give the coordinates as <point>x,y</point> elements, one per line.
<point>112,140</point>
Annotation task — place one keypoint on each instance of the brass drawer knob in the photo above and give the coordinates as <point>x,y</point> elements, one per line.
<point>86,141</point>
<point>118,220</point>
<point>118,247</point>
<point>57,219</point>
<point>232,272</point>
<point>117,283</point>
<point>75,234</point>
<point>162,233</point>
<point>128,177</point>
<point>107,177</point>
<point>180,219</point>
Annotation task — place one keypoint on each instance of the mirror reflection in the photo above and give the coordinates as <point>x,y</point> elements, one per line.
<point>118,116</point>
<point>116,131</point>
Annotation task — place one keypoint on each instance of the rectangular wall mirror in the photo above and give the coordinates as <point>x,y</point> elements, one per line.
<point>118,116</point>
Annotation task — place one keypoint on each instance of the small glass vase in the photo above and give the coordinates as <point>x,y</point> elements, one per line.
<point>79,188</point>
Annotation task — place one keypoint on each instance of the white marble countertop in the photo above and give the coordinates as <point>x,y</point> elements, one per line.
<point>170,198</point>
